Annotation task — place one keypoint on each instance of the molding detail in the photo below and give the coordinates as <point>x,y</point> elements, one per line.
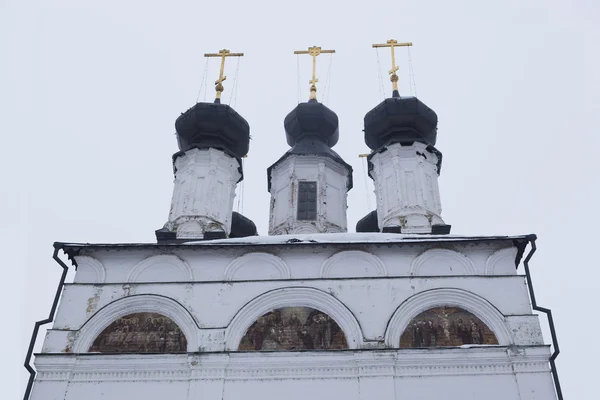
<point>497,262</point>
<point>428,263</point>
<point>182,270</point>
<point>297,365</point>
<point>257,266</point>
<point>85,263</point>
<point>134,304</point>
<point>334,266</point>
<point>293,297</point>
<point>468,301</point>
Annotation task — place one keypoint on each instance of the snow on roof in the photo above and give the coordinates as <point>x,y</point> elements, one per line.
<point>306,239</point>
<point>347,238</point>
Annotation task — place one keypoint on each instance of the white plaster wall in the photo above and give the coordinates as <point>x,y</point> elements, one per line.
<point>332,182</point>
<point>209,286</point>
<point>482,372</point>
<point>215,305</point>
<point>370,290</point>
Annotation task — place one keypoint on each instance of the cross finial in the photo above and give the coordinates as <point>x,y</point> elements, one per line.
<point>393,76</point>
<point>314,52</point>
<point>219,82</point>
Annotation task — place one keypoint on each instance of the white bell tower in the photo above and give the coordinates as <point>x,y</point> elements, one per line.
<point>309,185</point>
<point>404,166</point>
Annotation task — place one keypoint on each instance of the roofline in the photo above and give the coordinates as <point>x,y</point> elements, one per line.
<point>70,247</point>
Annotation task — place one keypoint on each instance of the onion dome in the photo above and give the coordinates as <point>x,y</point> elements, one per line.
<point>213,125</point>
<point>311,129</point>
<point>241,226</point>
<point>312,119</point>
<point>400,120</point>
<point>368,223</point>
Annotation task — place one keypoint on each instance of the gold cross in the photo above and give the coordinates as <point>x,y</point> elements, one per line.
<point>219,82</point>
<point>314,52</point>
<point>393,43</point>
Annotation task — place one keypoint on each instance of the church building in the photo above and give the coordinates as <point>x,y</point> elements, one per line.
<point>399,309</point>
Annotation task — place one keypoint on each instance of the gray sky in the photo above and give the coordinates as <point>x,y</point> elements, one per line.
<point>89,92</point>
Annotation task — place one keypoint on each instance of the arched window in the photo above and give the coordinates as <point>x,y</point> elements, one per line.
<point>143,332</point>
<point>444,327</point>
<point>294,328</point>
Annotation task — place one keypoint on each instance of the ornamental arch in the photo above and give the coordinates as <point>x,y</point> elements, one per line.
<point>89,270</point>
<point>502,262</point>
<point>141,332</point>
<point>106,320</point>
<point>450,298</point>
<point>293,328</point>
<point>446,326</point>
<point>436,262</point>
<point>255,266</point>
<point>161,268</point>
<point>328,310</point>
<point>353,263</point>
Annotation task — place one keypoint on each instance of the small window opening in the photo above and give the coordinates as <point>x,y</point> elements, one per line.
<point>307,201</point>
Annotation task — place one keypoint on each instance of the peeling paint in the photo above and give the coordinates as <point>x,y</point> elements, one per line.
<point>70,340</point>
<point>92,302</point>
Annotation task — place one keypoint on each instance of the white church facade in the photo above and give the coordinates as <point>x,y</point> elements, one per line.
<point>401,309</point>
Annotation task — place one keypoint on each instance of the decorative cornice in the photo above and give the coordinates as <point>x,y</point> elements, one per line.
<point>495,360</point>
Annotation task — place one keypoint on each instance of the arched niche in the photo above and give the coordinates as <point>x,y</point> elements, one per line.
<point>145,303</point>
<point>161,268</point>
<point>353,263</point>
<point>502,262</point>
<point>142,332</point>
<point>294,328</point>
<point>446,326</point>
<point>89,270</point>
<point>446,297</point>
<point>293,297</point>
<point>436,262</point>
<point>255,266</point>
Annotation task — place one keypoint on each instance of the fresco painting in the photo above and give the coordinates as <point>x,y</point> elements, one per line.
<point>294,328</point>
<point>141,333</point>
<point>445,327</point>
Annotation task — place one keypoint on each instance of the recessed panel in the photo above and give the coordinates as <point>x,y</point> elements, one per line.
<point>294,328</point>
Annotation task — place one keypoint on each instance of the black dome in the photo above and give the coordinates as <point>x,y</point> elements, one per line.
<point>311,129</point>
<point>213,125</point>
<point>368,223</point>
<point>241,226</point>
<point>400,119</point>
<point>311,119</point>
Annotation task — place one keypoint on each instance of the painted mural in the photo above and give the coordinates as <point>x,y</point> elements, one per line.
<point>141,333</point>
<point>446,326</point>
<point>294,328</point>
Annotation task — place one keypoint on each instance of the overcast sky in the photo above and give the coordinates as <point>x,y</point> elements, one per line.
<point>90,90</point>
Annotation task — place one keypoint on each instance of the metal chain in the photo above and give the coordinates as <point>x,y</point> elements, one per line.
<point>298,76</point>
<point>327,86</point>
<point>381,89</point>
<point>411,72</point>
<point>202,82</point>
<point>234,87</point>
